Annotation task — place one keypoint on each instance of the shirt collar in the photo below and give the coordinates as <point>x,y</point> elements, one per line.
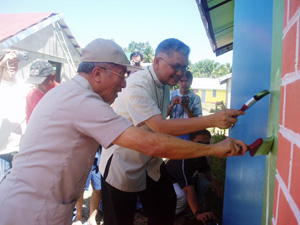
<point>156,80</point>
<point>83,82</point>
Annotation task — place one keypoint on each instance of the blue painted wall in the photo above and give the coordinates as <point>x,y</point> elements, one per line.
<point>244,185</point>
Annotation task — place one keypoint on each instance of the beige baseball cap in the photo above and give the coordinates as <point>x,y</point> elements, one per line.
<point>103,50</point>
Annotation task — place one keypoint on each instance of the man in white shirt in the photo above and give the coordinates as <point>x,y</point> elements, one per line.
<point>145,102</point>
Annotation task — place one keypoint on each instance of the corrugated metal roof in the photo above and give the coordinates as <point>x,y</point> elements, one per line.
<point>207,84</point>
<point>15,27</point>
<point>217,17</point>
<point>224,79</point>
<point>12,24</point>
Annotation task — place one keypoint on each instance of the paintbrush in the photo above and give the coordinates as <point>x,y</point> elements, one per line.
<point>261,146</point>
<point>253,100</point>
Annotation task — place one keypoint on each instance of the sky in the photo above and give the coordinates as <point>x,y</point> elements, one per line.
<point>125,21</point>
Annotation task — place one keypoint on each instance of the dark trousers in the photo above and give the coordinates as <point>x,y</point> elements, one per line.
<point>158,200</point>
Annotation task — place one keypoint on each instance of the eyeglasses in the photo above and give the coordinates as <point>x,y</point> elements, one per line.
<point>124,77</point>
<point>176,67</point>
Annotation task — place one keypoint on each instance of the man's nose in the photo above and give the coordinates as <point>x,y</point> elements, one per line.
<point>123,84</point>
<point>179,73</point>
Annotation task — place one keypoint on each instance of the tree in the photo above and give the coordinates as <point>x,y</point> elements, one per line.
<point>209,68</point>
<point>223,69</point>
<point>144,48</point>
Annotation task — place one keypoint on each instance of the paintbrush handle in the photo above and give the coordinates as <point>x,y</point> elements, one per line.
<point>254,146</point>
<point>242,109</point>
<point>247,105</point>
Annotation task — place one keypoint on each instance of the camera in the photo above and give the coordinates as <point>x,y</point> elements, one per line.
<point>137,63</point>
<point>184,100</point>
<point>22,55</point>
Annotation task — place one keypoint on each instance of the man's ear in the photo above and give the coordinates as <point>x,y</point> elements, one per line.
<point>155,62</point>
<point>97,74</point>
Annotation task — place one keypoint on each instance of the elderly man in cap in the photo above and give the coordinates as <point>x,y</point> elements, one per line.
<point>42,76</point>
<point>64,133</point>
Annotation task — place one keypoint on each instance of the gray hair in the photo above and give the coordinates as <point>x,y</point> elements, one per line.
<point>170,45</point>
<point>87,67</point>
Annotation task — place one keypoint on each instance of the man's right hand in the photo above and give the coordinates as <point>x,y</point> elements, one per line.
<point>10,56</point>
<point>226,118</point>
<point>230,147</point>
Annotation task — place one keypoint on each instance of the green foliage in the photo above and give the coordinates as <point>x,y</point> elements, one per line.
<point>218,166</point>
<point>218,134</point>
<point>209,68</point>
<point>144,48</point>
<point>223,69</point>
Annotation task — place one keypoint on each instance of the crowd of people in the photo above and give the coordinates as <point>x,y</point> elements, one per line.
<point>134,121</point>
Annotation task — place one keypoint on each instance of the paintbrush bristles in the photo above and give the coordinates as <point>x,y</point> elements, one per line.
<point>261,94</point>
